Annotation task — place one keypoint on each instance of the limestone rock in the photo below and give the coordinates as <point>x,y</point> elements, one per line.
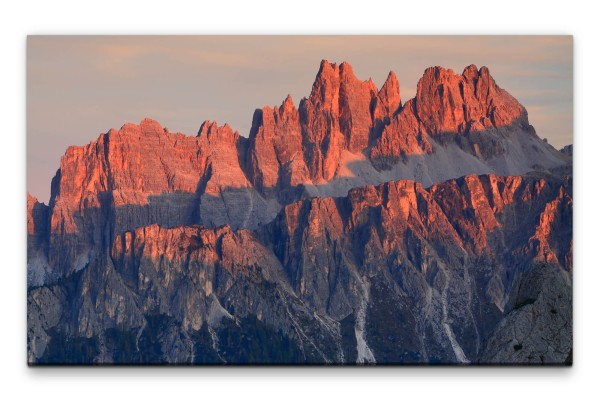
<point>275,154</point>
<point>336,116</point>
<point>450,103</point>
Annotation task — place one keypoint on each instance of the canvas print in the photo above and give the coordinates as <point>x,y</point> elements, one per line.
<point>299,200</point>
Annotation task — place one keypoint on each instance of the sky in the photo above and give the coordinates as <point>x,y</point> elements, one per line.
<point>79,87</point>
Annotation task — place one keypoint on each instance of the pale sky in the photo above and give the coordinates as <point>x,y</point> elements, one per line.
<point>81,86</point>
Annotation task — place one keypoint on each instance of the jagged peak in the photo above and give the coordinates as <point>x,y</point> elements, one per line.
<point>208,129</point>
<point>146,125</point>
<point>327,79</point>
<point>470,71</point>
<point>324,63</point>
<point>346,70</point>
<point>331,77</point>
<point>438,73</point>
<point>391,79</point>
<point>391,86</point>
<point>206,126</point>
<point>327,69</point>
<point>149,121</point>
<point>388,98</point>
<point>434,76</point>
<point>470,102</point>
<point>287,105</point>
<point>150,125</point>
<point>346,66</point>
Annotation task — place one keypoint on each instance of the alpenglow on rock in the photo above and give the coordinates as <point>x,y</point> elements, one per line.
<point>353,228</point>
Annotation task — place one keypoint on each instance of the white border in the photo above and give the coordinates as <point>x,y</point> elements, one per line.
<point>317,17</point>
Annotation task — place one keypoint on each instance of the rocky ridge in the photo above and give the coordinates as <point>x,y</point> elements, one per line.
<point>345,134</point>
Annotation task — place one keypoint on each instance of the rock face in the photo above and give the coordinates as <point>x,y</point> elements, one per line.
<point>335,117</point>
<point>471,102</point>
<point>275,156</point>
<point>390,274</point>
<point>352,229</point>
<point>450,260</point>
<point>140,175</point>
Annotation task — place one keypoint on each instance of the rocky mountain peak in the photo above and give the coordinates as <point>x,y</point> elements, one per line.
<point>390,88</point>
<point>275,151</point>
<point>147,126</point>
<point>346,70</point>
<point>470,71</point>
<point>207,126</point>
<point>336,117</point>
<point>211,131</point>
<point>450,103</point>
<point>287,105</point>
<point>326,82</point>
<point>388,99</point>
<point>150,125</point>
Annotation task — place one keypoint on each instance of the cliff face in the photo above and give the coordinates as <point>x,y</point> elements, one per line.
<point>393,273</point>
<point>450,259</point>
<point>161,247</point>
<point>470,102</point>
<point>141,175</point>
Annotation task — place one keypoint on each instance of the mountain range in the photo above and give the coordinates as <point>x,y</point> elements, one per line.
<point>350,229</point>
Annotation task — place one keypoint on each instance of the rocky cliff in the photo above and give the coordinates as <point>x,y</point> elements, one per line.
<point>352,229</point>
<point>390,274</point>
